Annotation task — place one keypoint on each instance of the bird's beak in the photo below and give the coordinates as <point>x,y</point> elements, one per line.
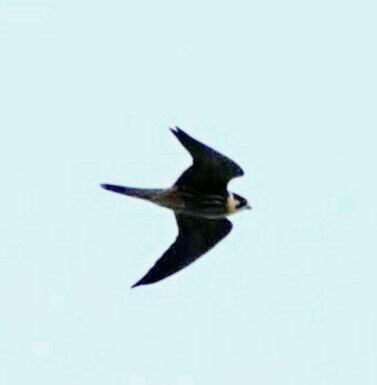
<point>248,207</point>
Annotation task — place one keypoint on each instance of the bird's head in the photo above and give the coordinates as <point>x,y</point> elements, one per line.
<point>237,203</point>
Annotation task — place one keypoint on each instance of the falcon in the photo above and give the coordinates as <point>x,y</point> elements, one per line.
<point>200,202</point>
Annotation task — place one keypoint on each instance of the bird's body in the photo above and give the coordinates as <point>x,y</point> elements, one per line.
<point>201,203</point>
<point>184,201</point>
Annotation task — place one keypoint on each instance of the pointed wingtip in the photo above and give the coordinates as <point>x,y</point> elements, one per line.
<point>146,280</point>
<point>176,130</point>
<point>138,283</point>
<point>180,134</point>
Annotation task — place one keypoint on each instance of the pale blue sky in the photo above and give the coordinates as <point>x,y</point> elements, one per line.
<point>87,93</point>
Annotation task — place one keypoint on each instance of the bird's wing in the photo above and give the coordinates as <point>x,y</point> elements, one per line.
<point>196,236</point>
<point>211,171</point>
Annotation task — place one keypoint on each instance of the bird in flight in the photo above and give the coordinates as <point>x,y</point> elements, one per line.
<point>200,201</point>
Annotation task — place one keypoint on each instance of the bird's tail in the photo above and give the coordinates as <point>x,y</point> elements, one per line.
<point>142,193</point>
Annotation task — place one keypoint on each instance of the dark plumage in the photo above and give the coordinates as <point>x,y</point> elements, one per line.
<point>200,201</point>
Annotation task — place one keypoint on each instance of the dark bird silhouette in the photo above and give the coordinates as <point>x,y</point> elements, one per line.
<point>200,201</point>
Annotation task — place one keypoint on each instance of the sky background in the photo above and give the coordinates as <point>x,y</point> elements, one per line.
<point>87,93</point>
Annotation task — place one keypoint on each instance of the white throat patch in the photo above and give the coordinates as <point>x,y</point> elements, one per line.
<point>232,203</point>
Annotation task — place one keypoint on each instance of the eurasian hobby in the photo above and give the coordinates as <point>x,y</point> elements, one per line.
<point>200,201</point>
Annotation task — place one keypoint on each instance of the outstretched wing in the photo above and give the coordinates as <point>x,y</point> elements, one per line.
<point>196,236</point>
<point>211,171</point>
